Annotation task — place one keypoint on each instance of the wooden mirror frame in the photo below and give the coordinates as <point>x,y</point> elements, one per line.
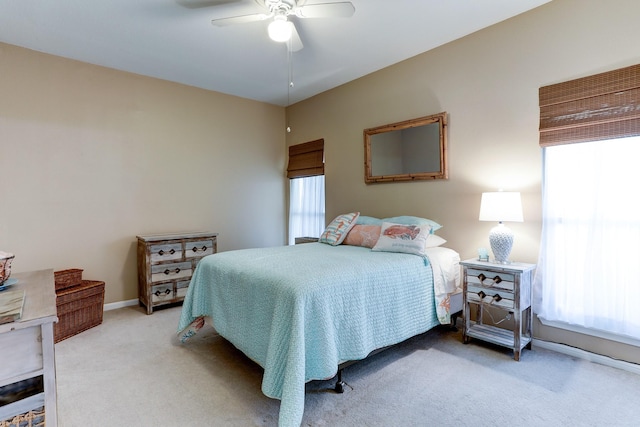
<point>441,173</point>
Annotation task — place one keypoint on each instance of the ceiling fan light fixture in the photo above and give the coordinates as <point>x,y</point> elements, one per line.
<point>280,29</point>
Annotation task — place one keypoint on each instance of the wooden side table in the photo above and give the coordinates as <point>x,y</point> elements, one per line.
<point>507,287</point>
<point>27,349</point>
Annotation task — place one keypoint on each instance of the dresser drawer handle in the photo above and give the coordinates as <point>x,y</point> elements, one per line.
<point>195,249</point>
<point>166,292</point>
<point>167,271</point>
<point>172,251</point>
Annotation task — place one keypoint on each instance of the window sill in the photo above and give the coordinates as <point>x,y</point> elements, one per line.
<point>624,339</point>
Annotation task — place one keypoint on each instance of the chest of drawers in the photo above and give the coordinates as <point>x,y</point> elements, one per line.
<point>166,263</point>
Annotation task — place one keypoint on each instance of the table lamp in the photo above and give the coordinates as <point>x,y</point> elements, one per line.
<point>501,206</point>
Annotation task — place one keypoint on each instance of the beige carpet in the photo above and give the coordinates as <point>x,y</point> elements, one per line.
<point>130,371</point>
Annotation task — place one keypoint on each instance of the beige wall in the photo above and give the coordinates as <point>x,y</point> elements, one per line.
<point>488,83</point>
<point>91,157</point>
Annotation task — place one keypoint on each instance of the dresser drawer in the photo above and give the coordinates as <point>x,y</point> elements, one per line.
<point>199,248</point>
<point>166,252</point>
<point>182,287</point>
<point>162,292</point>
<point>22,352</point>
<point>170,271</point>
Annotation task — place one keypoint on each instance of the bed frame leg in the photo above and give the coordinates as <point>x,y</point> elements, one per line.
<point>339,388</point>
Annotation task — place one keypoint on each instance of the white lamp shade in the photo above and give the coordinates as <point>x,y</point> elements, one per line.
<point>280,29</point>
<point>501,206</point>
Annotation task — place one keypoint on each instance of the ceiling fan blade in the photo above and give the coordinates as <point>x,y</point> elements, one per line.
<point>223,22</point>
<point>326,10</point>
<point>296,42</point>
<point>199,4</point>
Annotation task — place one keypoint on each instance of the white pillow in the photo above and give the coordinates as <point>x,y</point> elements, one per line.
<point>434,240</point>
<point>409,239</point>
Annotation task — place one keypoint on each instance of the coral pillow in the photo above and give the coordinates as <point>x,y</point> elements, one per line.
<point>363,235</point>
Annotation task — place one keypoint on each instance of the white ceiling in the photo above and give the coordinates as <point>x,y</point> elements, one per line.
<point>174,39</point>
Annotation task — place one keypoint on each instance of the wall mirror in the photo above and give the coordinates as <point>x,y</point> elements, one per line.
<point>407,151</point>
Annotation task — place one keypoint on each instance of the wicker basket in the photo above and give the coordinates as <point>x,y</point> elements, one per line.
<point>79,308</point>
<point>28,419</point>
<point>67,278</point>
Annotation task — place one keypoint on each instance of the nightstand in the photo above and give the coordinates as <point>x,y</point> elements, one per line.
<point>506,287</point>
<point>300,240</point>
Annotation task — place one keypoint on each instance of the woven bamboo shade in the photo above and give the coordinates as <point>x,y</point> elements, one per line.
<point>306,159</point>
<point>602,106</point>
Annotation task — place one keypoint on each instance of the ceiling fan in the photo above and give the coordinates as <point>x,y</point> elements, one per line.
<point>281,29</point>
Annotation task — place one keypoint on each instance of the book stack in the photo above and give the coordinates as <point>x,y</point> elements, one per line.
<point>11,304</point>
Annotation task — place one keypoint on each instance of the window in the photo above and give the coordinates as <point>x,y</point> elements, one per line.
<point>306,207</point>
<point>589,131</point>
<point>306,190</point>
<point>591,236</point>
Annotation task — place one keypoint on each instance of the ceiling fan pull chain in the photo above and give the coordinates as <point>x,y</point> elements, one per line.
<point>289,78</point>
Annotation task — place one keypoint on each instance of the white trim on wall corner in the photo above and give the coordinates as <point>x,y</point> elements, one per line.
<point>120,304</point>
<point>586,355</point>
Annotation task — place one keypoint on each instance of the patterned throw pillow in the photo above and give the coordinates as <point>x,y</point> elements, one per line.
<point>414,220</point>
<point>405,238</point>
<point>363,235</point>
<point>337,230</point>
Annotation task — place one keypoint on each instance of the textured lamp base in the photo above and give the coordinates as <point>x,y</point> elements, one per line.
<point>501,241</point>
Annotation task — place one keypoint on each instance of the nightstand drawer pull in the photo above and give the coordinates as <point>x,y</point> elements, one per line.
<point>482,278</point>
<point>195,249</point>
<point>166,292</point>
<point>482,295</point>
<point>176,271</point>
<point>497,298</point>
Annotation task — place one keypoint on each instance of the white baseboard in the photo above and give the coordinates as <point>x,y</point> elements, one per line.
<point>120,304</point>
<point>586,355</point>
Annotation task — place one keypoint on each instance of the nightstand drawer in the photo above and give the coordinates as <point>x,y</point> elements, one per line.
<point>491,279</point>
<point>503,300</point>
<point>198,249</point>
<point>166,252</point>
<point>164,272</point>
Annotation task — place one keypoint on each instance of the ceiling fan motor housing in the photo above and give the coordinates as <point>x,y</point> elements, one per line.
<point>278,7</point>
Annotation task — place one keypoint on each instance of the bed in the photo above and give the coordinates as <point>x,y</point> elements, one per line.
<point>301,311</point>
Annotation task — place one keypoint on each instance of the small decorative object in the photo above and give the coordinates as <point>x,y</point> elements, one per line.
<point>483,254</point>
<point>501,206</point>
<point>5,265</point>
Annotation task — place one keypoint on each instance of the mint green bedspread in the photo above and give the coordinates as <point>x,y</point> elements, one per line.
<point>299,311</point>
